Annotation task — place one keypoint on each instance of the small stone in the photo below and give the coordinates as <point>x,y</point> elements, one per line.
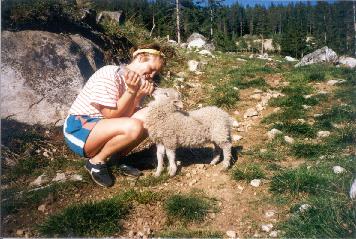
<point>255,182</point>
<point>200,105</point>
<point>236,112</point>
<point>259,107</point>
<point>46,154</point>
<point>323,134</point>
<point>20,232</point>
<point>76,177</point>
<point>334,82</point>
<point>275,110</point>
<point>42,208</point>
<point>322,92</point>
<point>317,115</point>
<point>270,213</point>
<point>306,107</point>
<point>250,113</point>
<point>301,120</point>
<point>255,96</point>
<point>338,169</point>
<point>60,177</point>
<point>257,91</point>
<point>131,233</point>
<point>273,133</point>
<point>188,175</point>
<point>266,227</point>
<point>180,79</point>
<point>273,234</point>
<point>353,190</point>
<point>307,96</point>
<point>304,207</point>
<point>288,139</point>
<point>235,124</point>
<point>193,65</point>
<point>235,88</point>
<point>40,180</point>
<point>263,150</point>
<point>231,234</point>
<point>236,137</point>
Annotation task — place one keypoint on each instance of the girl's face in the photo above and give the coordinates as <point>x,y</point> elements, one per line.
<point>147,66</point>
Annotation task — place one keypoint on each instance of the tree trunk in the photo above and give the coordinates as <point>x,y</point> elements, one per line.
<point>261,44</point>
<point>178,25</point>
<point>211,22</point>
<point>241,28</point>
<point>153,25</point>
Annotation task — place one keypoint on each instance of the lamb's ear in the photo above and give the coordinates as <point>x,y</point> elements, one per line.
<point>178,104</point>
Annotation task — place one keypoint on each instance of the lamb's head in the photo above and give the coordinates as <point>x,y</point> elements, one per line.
<point>167,96</point>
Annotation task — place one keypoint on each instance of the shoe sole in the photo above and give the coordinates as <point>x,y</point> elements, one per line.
<point>95,180</point>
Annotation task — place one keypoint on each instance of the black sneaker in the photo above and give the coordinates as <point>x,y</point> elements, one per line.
<point>129,171</point>
<point>99,173</point>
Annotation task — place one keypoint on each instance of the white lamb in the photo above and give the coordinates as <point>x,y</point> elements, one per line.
<point>171,128</point>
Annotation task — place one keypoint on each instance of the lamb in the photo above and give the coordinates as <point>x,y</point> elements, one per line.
<point>170,128</point>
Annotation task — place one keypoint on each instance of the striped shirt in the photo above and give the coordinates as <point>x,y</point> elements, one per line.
<point>104,87</point>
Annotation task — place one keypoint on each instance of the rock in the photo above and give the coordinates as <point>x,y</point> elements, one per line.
<point>255,96</point>
<point>172,42</point>
<point>304,207</point>
<point>301,121</point>
<point>181,74</point>
<point>236,137</point>
<point>42,73</point>
<point>334,82</point>
<point>321,55</point>
<point>289,58</point>
<point>193,65</point>
<point>42,208</point>
<point>40,180</point>
<point>307,96</point>
<point>270,213</point>
<point>273,133</point>
<point>239,59</point>
<point>273,234</point>
<point>347,61</point>
<point>250,113</point>
<point>266,227</point>
<point>205,53</point>
<point>131,233</point>
<point>353,190</point>
<point>196,40</point>
<point>60,177</point>
<point>236,112</point>
<point>288,139</point>
<point>263,151</point>
<point>259,107</point>
<point>231,234</point>
<point>209,46</point>
<point>255,182</point>
<point>306,107</point>
<point>183,45</point>
<point>323,134</point>
<point>76,177</point>
<point>20,232</point>
<point>338,169</point>
<point>235,124</point>
<point>317,115</point>
<point>116,16</point>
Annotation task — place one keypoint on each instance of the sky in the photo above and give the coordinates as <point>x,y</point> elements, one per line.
<point>266,2</point>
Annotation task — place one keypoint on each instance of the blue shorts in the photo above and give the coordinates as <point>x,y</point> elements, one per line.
<point>76,130</point>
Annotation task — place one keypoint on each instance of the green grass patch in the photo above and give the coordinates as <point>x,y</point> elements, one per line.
<point>329,217</point>
<point>91,219</point>
<point>309,150</point>
<point>337,114</point>
<point>316,76</point>
<point>285,115</point>
<point>301,180</point>
<point>187,233</point>
<point>296,129</point>
<point>248,172</point>
<point>224,96</point>
<point>150,180</point>
<point>254,83</point>
<point>141,197</point>
<point>188,208</point>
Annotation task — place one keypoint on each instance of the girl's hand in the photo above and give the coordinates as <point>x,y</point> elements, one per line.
<point>146,88</point>
<point>132,80</point>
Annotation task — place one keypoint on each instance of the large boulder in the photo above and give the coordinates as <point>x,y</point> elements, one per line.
<point>196,40</point>
<point>322,55</point>
<point>348,61</point>
<point>42,73</point>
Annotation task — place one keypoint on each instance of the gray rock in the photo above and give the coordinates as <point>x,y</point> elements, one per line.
<point>205,53</point>
<point>250,113</point>
<point>266,227</point>
<point>40,180</point>
<point>338,169</point>
<point>270,213</point>
<point>236,137</point>
<point>273,234</point>
<point>196,40</point>
<point>347,61</point>
<point>273,133</point>
<point>321,55</point>
<point>193,65</point>
<point>289,58</point>
<point>231,234</point>
<point>60,177</point>
<point>42,73</point>
<point>334,82</point>
<point>255,182</point>
<point>304,207</point>
<point>288,139</point>
<point>323,134</point>
<point>209,46</point>
<point>353,190</point>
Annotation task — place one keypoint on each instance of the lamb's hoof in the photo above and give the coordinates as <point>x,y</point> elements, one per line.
<point>157,174</point>
<point>172,172</point>
<point>225,167</point>
<point>214,162</point>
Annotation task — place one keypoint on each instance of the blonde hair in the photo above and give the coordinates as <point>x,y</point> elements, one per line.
<point>147,50</point>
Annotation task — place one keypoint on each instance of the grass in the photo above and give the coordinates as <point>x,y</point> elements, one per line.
<point>91,219</point>
<point>296,129</point>
<point>316,76</point>
<point>187,233</point>
<point>248,172</point>
<point>254,83</point>
<point>151,181</point>
<point>188,208</point>
<point>309,150</point>
<point>224,96</point>
<point>285,115</point>
<point>329,217</point>
<point>301,180</point>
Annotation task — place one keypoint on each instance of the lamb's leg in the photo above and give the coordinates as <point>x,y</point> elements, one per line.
<point>160,157</point>
<point>171,155</point>
<point>226,147</point>
<point>216,154</point>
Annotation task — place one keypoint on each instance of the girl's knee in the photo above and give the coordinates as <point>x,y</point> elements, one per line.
<point>135,129</point>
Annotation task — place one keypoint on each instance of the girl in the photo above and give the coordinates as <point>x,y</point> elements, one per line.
<point>105,117</point>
